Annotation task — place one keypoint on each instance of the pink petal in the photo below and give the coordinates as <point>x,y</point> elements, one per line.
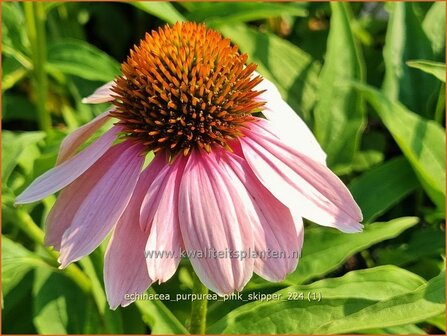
<point>75,139</point>
<point>104,204</point>
<point>165,233</point>
<point>276,230</point>
<point>102,95</point>
<point>286,124</point>
<point>67,204</point>
<point>159,174</point>
<point>126,249</point>
<point>62,175</point>
<point>125,269</point>
<point>300,182</point>
<point>215,212</point>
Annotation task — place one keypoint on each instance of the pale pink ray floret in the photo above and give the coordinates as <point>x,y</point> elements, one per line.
<point>252,198</point>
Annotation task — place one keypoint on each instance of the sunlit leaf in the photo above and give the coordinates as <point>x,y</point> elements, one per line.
<point>324,249</point>
<point>426,301</point>
<point>79,58</point>
<point>434,28</point>
<point>339,113</point>
<point>436,69</point>
<point>234,12</point>
<point>422,141</point>
<point>163,10</point>
<point>339,298</point>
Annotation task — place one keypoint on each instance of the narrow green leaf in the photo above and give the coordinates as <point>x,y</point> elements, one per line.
<point>324,250</point>
<point>227,13</point>
<point>425,302</point>
<point>379,189</point>
<point>340,111</point>
<point>434,28</point>
<point>293,71</point>
<point>163,10</point>
<point>79,58</point>
<point>159,317</point>
<point>422,141</point>
<point>295,313</point>
<point>406,40</point>
<point>436,69</point>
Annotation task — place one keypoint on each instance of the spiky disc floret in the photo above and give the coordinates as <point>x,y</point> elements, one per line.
<point>185,87</point>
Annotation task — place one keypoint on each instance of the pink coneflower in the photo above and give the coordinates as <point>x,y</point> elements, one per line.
<point>234,169</point>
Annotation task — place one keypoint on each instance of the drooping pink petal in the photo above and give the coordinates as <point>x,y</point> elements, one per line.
<point>159,174</point>
<point>286,124</point>
<point>103,94</point>
<point>300,182</point>
<point>62,175</point>
<point>125,271</point>
<point>126,249</point>
<point>74,140</point>
<point>72,196</point>
<point>67,204</point>
<point>278,236</point>
<point>165,233</point>
<point>215,212</point>
<point>105,203</point>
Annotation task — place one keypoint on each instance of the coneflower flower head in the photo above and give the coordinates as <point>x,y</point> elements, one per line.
<point>185,88</point>
<point>235,169</point>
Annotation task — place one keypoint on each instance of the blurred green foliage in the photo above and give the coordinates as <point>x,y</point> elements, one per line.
<point>368,78</point>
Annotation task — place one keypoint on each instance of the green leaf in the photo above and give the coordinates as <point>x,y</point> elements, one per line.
<point>159,317</point>
<point>414,249</point>
<point>13,22</point>
<point>13,72</point>
<point>438,321</point>
<point>421,141</point>
<point>79,58</point>
<point>227,13</point>
<point>17,261</point>
<point>405,40</point>
<point>425,302</point>
<point>163,10</point>
<point>381,188</point>
<point>434,28</point>
<point>293,71</point>
<point>436,69</point>
<point>60,307</point>
<point>340,111</point>
<point>13,146</point>
<point>324,250</point>
<point>113,319</point>
<point>339,297</point>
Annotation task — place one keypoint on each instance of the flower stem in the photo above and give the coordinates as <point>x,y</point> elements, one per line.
<point>198,308</point>
<point>35,24</point>
<point>26,223</point>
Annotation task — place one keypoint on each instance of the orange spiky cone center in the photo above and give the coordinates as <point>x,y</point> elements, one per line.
<point>184,88</point>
